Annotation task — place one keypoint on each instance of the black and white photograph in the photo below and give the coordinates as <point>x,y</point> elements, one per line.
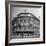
<point>25,22</point>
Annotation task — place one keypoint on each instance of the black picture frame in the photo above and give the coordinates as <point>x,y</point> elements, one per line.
<point>6,38</point>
